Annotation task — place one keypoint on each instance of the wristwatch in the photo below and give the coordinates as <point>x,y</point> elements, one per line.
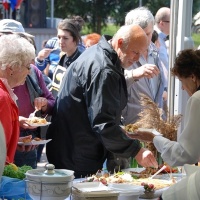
<point>165,89</point>
<point>40,61</point>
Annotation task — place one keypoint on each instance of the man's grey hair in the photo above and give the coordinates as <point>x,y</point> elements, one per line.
<point>141,16</point>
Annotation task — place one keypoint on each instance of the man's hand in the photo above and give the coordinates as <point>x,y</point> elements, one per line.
<point>145,136</point>
<point>40,103</point>
<point>164,96</point>
<point>147,70</point>
<point>146,158</point>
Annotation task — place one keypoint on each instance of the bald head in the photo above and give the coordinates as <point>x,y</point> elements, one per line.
<point>162,19</point>
<point>130,34</point>
<point>163,14</point>
<point>130,41</point>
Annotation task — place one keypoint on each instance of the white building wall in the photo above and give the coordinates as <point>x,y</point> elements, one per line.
<point>41,34</point>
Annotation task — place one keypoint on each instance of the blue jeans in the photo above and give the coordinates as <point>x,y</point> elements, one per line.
<point>27,158</point>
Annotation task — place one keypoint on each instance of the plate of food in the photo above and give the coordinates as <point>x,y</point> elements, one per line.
<point>37,121</point>
<point>130,128</point>
<point>35,141</point>
<point>142,172</point>
<point>154,131</point>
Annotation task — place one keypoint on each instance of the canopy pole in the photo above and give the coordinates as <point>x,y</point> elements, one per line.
<point>172,54</point>
<point>52,13</point>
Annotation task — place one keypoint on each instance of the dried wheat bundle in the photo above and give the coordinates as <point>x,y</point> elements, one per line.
<point>151,117</point>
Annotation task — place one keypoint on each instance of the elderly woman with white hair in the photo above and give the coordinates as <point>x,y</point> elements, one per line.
<point>16,55</point>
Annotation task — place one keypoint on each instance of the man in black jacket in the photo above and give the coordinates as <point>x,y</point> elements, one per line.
<point>87,113</point>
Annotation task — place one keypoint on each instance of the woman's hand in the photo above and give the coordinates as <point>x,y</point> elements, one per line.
<point>25,148</point>
<point>23,123</point>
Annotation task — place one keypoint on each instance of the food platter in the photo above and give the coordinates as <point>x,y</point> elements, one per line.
<point>136,172</point>
<point>124,179</point>
<point>34,142</point>
<point>124,187</point>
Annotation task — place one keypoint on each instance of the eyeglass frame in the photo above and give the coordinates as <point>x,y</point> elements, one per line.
<point>29,66</point>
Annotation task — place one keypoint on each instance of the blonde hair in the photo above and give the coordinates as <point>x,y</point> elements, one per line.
<point>15,51</point>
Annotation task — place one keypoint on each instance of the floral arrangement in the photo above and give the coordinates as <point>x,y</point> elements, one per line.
<point>148,187</point>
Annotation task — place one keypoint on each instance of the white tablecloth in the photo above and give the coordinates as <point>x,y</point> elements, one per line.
<point>140,199</point>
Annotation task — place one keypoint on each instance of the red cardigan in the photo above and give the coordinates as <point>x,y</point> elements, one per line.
<point>9,117</point>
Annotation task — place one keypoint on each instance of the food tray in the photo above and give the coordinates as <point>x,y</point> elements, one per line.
<point>92,191</point>
<point>81,196</point>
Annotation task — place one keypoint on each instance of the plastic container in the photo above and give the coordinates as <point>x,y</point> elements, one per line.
<point>93,191</point>
<point>49,184</point>
<point>127,191</point>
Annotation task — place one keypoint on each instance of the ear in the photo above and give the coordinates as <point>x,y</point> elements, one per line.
<point>120,43</point>
<point>9,71</point>
<point>193,78</point>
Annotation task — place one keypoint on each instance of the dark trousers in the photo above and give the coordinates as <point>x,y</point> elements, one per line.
<point>27,158</point>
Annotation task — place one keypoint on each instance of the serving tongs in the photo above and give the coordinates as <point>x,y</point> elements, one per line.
<point>160,170</point>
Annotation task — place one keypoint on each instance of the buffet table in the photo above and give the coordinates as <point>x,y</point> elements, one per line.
<point>139,199</point>
<point>126,192</point>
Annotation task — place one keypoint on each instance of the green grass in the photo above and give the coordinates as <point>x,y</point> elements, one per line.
<point>111,29</point>
<point>196,39</point>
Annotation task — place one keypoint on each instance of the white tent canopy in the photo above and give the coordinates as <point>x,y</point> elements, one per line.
<point>180,38</point>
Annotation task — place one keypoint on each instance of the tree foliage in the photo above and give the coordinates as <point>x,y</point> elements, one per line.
<point>96,12</point>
